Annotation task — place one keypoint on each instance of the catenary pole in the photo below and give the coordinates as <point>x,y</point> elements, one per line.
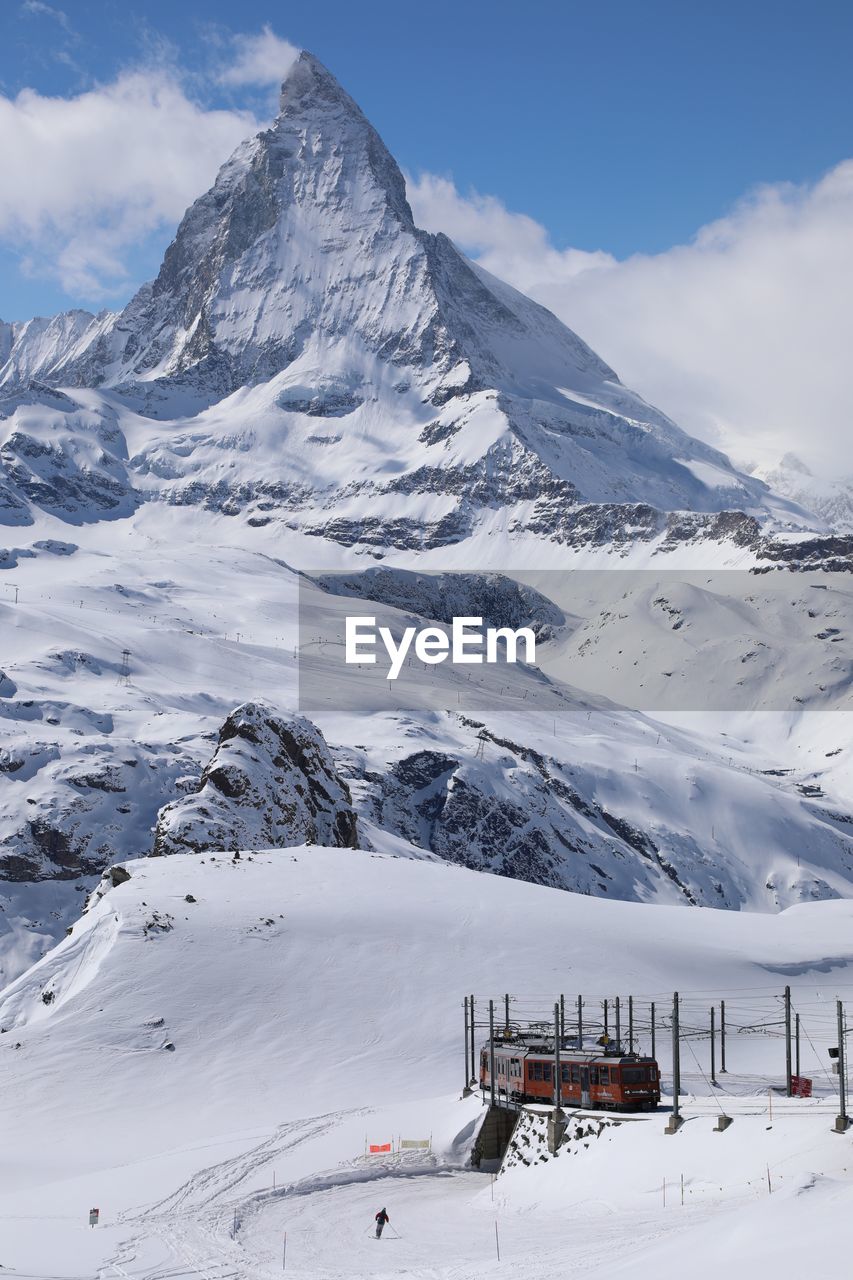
<point>788,1087</point>
<point>841,1122</point>
<point>492,1050</point>
<point>797,1042</point>
<point>722,1037</point>
<point>676,1058</point>
<point>467,1046</point>
<point>557,1079</point>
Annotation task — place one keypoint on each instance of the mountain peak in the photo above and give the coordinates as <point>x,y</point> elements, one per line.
<point>309,79</point>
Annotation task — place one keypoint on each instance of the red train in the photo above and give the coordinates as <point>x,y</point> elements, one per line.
<point>602,1080</point>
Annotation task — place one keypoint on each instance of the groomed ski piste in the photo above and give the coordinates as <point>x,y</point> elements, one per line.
<point>224,1035</point>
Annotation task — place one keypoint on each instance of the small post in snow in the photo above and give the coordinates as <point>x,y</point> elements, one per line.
<point>284,1253</point>
<point>497,1240</point>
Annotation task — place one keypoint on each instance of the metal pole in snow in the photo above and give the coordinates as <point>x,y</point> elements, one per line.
<point>618,1023</point>
<point>676,1057</point>
<point>467,1038</point>
<point>557,1080</point>
<point>497,1240</point>
<point>580,1022</point>
<point>492,1050</point>
<point>797,1041</point>
<point>713,1047</point>
<point>606,1025</point>
<point>562,1015</point>
<point>841,1123</point>
<point>722,1037</point>
<point>284,1253</point>
<point>653,1028</point>
<point>506,1014</point>
<point>474,1072</point>
<point>630,1024</point>
<point>788,1086</point>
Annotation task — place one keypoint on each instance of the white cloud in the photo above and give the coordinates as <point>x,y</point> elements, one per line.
<point>743,335</point>
<point>38,9</point>
<point>259,60</point>
<point>86,178</point>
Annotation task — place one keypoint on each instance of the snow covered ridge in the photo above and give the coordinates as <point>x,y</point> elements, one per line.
<point>308,359</point>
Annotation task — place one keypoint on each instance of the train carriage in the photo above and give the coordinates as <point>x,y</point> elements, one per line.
<point>600,1079</point>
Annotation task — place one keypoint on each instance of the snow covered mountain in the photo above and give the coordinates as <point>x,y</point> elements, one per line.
<point>306,356</point>
<point>310,380</point>
<point>830,500</point>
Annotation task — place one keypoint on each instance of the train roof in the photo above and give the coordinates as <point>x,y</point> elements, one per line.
<point>515,1049</point>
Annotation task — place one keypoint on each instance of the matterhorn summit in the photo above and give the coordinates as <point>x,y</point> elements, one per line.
<point>308,358</point>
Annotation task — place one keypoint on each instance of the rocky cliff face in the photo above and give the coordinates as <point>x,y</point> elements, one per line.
<point>271,783</point>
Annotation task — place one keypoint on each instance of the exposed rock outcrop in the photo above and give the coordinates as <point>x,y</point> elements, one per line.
<point>271,783</point>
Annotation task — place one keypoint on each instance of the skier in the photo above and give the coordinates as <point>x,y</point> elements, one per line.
<point>381,1219</point>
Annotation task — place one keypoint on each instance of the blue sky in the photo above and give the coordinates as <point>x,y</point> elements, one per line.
<point>617,126</point>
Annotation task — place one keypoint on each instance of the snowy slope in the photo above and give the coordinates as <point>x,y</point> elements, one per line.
<point>572,789</point>
<point>319,1002</point>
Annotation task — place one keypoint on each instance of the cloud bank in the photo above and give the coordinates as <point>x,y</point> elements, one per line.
<point>86,179</point>
<point>742,335</point>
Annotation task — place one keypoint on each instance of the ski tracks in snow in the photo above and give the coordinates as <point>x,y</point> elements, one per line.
<point>198,1226</point>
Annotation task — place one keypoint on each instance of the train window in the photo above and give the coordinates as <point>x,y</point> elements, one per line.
<point>604,1075</point>
<point>546,1070</point>
<point>566,1073</point>
<point>536,1070</point>
<point>576,1075</point>
<point>515,1066</point>
<point>593,1075</point>
<point>633,1075</point>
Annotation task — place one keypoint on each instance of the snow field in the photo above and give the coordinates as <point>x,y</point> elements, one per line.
<point>313,1000</point>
